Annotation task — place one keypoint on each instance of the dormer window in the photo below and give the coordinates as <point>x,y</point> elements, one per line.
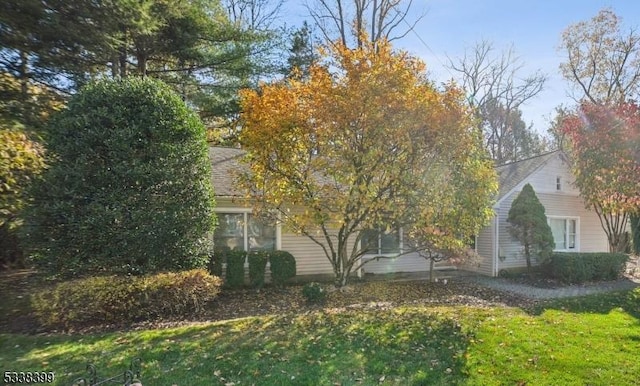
<point>558,183</point>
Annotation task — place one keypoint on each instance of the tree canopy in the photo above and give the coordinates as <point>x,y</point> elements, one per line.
<point>128,186</point>
<point>605,150</point>
<point>366,141</point>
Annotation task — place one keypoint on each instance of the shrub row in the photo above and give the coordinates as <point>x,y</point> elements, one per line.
<point>573,267</point>
<point>282,266</point>
<point>118,299</point>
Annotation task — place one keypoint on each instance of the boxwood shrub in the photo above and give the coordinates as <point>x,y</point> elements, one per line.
<point>235,259</point>
<point>282,266</point>
<point>125,299</point>
<point>257,267</point>
<point>575,267</point>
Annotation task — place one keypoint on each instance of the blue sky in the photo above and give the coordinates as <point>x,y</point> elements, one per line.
<point>533,27</point>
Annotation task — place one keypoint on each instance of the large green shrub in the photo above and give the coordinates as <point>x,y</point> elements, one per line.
<point>235,259</point>
<point>282,267</point>
<point>575,267</point>
<point>257,267</point>
<point>529,226</point>
<point>119,299</point>
<point>128,188</point>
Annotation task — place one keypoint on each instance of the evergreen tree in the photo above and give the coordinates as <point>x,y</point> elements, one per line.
<point>529,225</point>
<point>128,186</point>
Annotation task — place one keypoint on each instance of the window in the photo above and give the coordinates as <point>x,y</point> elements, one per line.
<point>564,232</point>
<point>381,241</point>
<point>558,184</point>
<point>244,231</point>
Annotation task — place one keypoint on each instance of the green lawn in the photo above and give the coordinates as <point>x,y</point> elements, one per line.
<point>591,340</point>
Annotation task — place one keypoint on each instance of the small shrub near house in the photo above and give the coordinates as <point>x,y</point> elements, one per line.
<point>216,260</point>
<point>118,299</point>
<point>282,266</point>
<point>234,277</point>
<point>314,293</point>
<point>571,267</point>
<point>257,267</point>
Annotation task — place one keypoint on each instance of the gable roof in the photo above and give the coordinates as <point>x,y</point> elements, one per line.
<point>225,164</point>
<point>511,174</point>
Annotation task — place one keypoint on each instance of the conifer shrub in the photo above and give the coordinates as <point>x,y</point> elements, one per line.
<point>529,226</point>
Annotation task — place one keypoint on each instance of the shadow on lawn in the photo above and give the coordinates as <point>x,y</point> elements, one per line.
<point>399,346</point>
<point>603,303</point>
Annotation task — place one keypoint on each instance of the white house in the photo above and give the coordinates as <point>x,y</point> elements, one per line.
<point>574,228</point>
<point>237,228</point>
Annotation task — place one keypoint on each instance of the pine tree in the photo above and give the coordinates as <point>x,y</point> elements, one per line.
<point>529,225</point>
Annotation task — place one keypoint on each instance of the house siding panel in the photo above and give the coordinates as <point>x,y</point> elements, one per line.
<point>484,247</point>
<point>557,203</point>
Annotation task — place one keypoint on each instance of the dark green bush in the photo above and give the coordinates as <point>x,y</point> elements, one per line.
<point>128,189</point>
<point>234,277</point>
<point>282,267</point>
<point>257,267</point>
<point>575,267</point>
<point>633,302</point>
<point>121,299</point>
<point>217,259</point>
<point>314,293</point>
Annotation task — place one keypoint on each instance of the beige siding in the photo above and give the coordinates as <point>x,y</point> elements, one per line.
<point>591,237</point>
<point>484,247</point>
<point>310,258</point>
<point>411,262</point>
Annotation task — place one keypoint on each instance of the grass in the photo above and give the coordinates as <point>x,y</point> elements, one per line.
<point>590,340</point>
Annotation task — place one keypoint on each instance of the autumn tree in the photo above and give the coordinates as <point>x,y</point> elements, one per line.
<point>21,161</point>
<point>366,142</point>
<point>605,150</point>
<point>602,60</point>
<point>529,225</point>
<point>128,186</point>
<point>496,90</point>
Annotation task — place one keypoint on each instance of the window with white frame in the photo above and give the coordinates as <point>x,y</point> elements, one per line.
<point>565,231</point>
<point>244,231</point>
<point>381,241</point>
<point>558,183</point>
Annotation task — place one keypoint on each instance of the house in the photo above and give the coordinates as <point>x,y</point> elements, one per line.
<point>238,228</point>
<point>574,228</point>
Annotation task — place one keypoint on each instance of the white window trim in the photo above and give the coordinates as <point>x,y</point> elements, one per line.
<point>245,220</point>
<point>577,248</point>
<point>374,255</point>
<point>559,184</point>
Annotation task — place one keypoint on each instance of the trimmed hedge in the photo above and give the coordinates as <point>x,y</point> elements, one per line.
<point>234,277</point>
<point>282,266</point>
<point>121,299</point>
<point>257,267</point>
<point>216,260</point>
<point>575,267</point>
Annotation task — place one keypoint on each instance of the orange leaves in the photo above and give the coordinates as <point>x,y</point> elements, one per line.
<point>367,139</point>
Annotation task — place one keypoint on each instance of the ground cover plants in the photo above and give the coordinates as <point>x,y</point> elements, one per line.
<point>391,333</point>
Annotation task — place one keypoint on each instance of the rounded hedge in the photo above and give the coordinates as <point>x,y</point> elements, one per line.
<point>129,184</point>
<point>121,300</point>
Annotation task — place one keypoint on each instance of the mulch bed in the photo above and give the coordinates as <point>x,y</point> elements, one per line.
<point>232,304</point>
